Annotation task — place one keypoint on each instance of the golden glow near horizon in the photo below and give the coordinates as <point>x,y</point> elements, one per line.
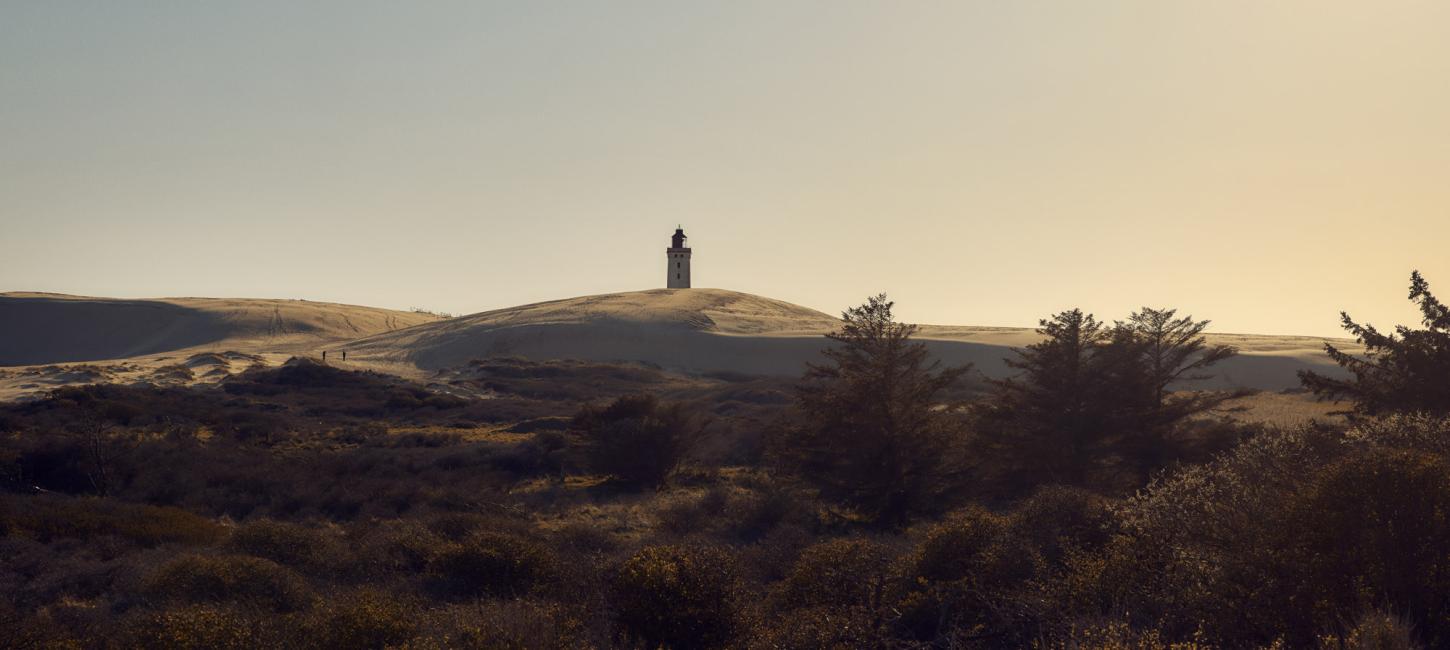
<point>1260,164</point>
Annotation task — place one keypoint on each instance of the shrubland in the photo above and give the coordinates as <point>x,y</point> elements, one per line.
<point>1095,500</point>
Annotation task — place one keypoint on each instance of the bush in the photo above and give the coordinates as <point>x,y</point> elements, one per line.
<point>457,526</point>
<point>398,546</point>
<point>491,564</point>
<point>545,453</point>
<point>822,627</point>
<point>1375,630</point>
<point>514,625</point>
<point>585,539</point>
<point>1287,537</point>
<point>842,573</point>
<point>637,440</point>
<point>678,596</point>
<point>426,440</point>
<point>58,464</point>
<point>964,577</point>
<point>686,514</point>
<point>550,450</point>
<point>753,516</point>
<point>281,542</point>
<point>265,428</point>
<point>248,581</point>
<point>362,619</point>
<point>956,548</point>
<point>306,373</point>
<point>836,595</point>
<point>48,518</point>
<point>1373,528</point>
<point>1118,635</point>
<point>1420,432</point>
<point>1057,520</point>
<point>194,627</point>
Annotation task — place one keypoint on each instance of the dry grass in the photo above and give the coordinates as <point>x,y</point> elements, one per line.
<point>1284,409</point>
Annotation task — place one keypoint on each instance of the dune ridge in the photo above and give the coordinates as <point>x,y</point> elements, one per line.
<point>692,330</point>
<point>42,328</point>
<point>721,330</point>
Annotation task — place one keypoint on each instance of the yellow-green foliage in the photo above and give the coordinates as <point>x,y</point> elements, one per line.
<point>47,518</point>
<point>248,581</point>
<point>678,596</point>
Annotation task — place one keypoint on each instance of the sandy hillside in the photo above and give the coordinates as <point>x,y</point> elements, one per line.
<point>41,328</point>
<point>1264,362</point>
<point>719,330</point>
<point>698,329</point>
<point>50,340</point>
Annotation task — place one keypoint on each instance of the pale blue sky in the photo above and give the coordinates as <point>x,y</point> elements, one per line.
<point>1261,164</point>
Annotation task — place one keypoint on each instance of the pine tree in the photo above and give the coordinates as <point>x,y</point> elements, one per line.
<point>1173,350</point>
<point>1048,423</point>
<point>1088,395</point>
<point>1162,351</point>
<point>871,427</point>
<point>1402,372</point>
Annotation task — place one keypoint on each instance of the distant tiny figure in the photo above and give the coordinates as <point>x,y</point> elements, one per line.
<point>324,355</point>
<point>344,355</point>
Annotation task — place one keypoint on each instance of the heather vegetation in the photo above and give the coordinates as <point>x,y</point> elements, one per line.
<point>1097,499</point>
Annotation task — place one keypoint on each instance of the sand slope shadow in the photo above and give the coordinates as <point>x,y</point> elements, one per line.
<point>36,330</point>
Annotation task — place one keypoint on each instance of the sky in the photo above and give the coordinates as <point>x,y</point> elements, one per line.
<point>1260,164</point>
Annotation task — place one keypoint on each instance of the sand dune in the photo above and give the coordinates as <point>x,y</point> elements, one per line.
<point>39,328</point>
<point>53,340</point>
<point>719,330</point>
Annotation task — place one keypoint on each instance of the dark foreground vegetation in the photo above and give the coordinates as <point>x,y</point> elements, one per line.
<point>1093,501</point>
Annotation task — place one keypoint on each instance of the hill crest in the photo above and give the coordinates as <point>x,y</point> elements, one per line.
<point>44,328</point>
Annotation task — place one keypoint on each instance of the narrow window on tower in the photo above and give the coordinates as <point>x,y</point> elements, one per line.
<point>677,265</point>
<point>677,276</point>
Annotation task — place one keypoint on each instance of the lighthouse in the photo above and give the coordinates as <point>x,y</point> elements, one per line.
<point>678,256</point>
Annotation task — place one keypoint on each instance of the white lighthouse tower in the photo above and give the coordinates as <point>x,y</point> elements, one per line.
<point>678,255</point>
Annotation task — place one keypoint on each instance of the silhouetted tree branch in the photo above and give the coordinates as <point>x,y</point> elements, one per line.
<point>1407,371</point>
